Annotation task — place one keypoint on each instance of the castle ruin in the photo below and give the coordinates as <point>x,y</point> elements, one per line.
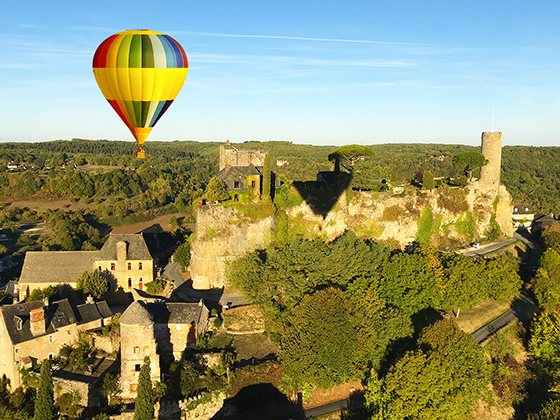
<point>232,156</point>
<point>492,150</point>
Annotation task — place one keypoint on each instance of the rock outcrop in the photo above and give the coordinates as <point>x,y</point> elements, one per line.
<point>445,217</point>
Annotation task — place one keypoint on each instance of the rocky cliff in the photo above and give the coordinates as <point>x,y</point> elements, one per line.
<point>446,217</point>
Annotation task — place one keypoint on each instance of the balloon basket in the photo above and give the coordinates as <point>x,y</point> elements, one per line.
<point>140,153</point>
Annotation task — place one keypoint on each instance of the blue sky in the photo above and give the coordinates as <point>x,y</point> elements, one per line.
<point>314,72</point>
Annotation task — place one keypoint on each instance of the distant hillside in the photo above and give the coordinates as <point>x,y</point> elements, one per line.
<point>531,174</point>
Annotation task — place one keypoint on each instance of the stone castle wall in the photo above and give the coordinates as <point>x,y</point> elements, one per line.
<point>231,156</point>
<point>223,234</point>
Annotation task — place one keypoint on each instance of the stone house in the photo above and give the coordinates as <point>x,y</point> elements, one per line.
<point>160,331</point>
<point>34,331</point>
<point>522,215</point>
<point>242,172</point>
<point>31,332</point>
<point>125,259</point>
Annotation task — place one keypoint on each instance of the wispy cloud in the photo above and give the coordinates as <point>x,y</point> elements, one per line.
<point>301,38</point>
<point>252,59</point>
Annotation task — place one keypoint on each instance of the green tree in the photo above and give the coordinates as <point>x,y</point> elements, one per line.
<point>144,403</point>
<point>44,404</point>
<point>182,255</point>
<point>550,411</point>
<point>319,346</point>
<point>546,283</point>
<point>409,283</point>
<point>349,155</point>
<point>428,182</point>
<point>216,190</point>
<point>501,278</point>
<point>467,162</point>
<point>544,344</point>
<point>189,377</point>
<point>111,389</point>
<point>93,282</point>
<point>462,284</point>
<point>440,380</point>
<point>267,178</point>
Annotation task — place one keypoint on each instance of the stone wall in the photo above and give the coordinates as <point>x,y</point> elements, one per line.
<point>224,234</point>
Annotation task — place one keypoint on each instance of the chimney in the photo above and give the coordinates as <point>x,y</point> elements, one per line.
<point>37,321</point>
<point>89,299</point>
<point>122,251</point>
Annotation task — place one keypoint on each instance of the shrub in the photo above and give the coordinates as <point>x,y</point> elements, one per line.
<point>392,213</point>
<point>453,199</point>
<point>156,286</point>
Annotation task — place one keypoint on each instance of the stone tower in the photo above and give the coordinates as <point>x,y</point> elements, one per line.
<point>492,150</point>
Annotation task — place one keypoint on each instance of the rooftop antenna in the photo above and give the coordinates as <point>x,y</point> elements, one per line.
<point>492,119</point>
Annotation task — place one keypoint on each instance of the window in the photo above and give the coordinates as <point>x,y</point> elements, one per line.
<point>140,283</point>
<point>136,349</point>
<point>51,338</point>
<point>130,266</point>
<point>129,283</point>
<point>137,368</point>
<point>253,184</point>
<point>236,197</point>
<point>178,327</point>
<point>133,387</point>
<point>139,266</point>
<point>99,268</point>
<point>236,184</point>
<point>112,266</point>
<point>17,351</point>
<point>146,346</point>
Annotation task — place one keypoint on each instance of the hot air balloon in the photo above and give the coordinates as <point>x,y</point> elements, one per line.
<point>140,73</point>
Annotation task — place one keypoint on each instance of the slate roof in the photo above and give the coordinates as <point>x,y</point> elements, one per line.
<point>104,310</point>
<point>142,313</point>
<point>63,267</point>
<point>522,209</point>
<point>57,314</point>
<point>89,312</point>
<point>137,248</point>
<point>234,172</point>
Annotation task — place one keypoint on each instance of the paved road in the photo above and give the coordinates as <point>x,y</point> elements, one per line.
<point>522,309</point>
<point>485,249</point>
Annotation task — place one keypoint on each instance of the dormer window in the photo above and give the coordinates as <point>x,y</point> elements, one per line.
<point>19,323</point>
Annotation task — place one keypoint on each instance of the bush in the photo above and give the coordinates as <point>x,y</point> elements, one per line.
<point>218,322</point>
<point>156,286</point>
<point>453,199</point>
<point>392,213</point>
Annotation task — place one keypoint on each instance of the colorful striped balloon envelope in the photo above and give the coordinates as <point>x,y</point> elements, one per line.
<point>140,73</point>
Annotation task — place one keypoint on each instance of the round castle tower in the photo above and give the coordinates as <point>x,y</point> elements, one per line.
<point>492,150</point>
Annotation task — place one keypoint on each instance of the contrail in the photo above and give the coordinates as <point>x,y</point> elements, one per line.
<point>301,38</point>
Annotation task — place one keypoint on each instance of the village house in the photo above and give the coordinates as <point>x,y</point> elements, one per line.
<point>522,215</point>
<point>34,331</point>
<point>160,331</point>
<point>125,259</point>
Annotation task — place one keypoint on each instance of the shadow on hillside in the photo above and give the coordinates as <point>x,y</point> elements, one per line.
<point>322,196</point>
<point>261,401</point>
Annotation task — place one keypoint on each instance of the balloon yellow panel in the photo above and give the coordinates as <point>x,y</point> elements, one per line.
<point>140,73</point>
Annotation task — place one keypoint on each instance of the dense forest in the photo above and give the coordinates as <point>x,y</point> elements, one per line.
<point>529,173</point>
